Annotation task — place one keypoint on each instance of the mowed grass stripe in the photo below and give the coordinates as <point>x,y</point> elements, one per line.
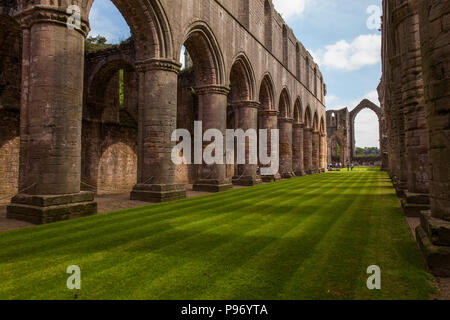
<point>257,243</point>
<point>83,241</point>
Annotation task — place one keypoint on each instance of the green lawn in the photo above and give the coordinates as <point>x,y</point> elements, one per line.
<point>305,238</point>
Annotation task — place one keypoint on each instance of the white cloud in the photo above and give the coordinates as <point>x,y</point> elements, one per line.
<point>362,51</point>
<point>290,8</point>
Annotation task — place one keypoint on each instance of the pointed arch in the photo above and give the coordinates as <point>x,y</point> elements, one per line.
<point>307,119</point>
<point>315,123</point>
<point>149,26</point>
<point>298,111</point>
<point>322,125</point>
<point>205,53</point>
<point>284,106</point>
<point>242,79</point>
<point>266,93</point>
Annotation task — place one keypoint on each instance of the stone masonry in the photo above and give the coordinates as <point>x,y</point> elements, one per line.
<point>76,136</point>
<point>415,97</point>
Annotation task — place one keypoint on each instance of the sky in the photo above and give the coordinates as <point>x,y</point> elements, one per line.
<point>342,35</point>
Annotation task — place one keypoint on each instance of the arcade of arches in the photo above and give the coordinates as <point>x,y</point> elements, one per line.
<point>74,124</point>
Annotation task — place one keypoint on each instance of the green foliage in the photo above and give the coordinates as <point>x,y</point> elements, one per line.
<point>121,89</point>
<point>97,43</point>
<point>367,151</point>
<point>311,237</point>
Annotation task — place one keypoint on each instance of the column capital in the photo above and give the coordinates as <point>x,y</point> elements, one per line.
<point>212,89</point>
<point>308,129</point>
<point>322,135</point>
<point>269,113</point>
<point>246,104</point>
<point>286,120</point>
<point>298,125</point>
<point>158,64</point>
<point>46,14</point>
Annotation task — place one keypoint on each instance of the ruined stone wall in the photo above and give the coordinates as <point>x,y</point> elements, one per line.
<point>10,83</point>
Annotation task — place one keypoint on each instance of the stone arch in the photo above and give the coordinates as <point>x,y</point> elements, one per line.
<point>206,55</point>
<point>242,79</point>
<point>298,111</point>
<point>266,93</point>
<point>315,123</point>
<point>365,104</point>
<point>268,12</point>
<point>99,85</point>
<point>149,26</point>
<point>284,106</point>
<point>10,100</point>
<point>307,119</point>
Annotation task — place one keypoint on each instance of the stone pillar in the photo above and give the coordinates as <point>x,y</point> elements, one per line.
<point>156,122</point>
<point>297,157</point>
<point>285,125</point>
<point>308,147</point>
<point>323,152</point>
<point>213,114</point>
<point>315,151</point>
<point>247,118</point>
<point>269,121</point>
<point>52,94</point>
<point>433,235</point>
<point>416,134</point>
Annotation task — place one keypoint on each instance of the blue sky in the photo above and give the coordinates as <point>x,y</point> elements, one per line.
<point>342,35</point>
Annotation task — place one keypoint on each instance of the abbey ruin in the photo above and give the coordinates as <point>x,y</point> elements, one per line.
<point>69,131</point>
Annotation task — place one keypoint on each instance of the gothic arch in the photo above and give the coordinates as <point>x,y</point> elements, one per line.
<point>284,106</point>
<point>307,121</point>
<point>149,26</point>
<point>242,79</point>
<point>266,93</point>
<point>365,104</point>
<point>298,111</point>
<point>206,54</point>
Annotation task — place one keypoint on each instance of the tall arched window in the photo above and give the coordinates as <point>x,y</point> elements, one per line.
<point>268,25</point>
<point>244,13</point>
<point>285,47</point>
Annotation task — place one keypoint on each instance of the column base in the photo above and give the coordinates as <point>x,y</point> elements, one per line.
<point>413,204</point>
<point>287,175</point>
<point>156,193</point>
<point>247,181</point>
<point>41,209</point>
<point>212,186</point>
<point>272,178</point>
<point>300,173</point>
<point>433,237</point>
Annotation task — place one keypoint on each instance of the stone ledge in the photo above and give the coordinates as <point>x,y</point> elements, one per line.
<point>438,231</point>
<point>52,200</point>
<point>411,209</point>
<point>247,181</point>
<point>287,175</point>
<point>158,192</point>
<point>300,173</point>
<point>417,198</point>
<point>42,215</point>
<point>437,257</point>
<point>212,186</point>
<point>272,178</point>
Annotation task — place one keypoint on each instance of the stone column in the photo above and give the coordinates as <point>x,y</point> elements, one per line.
<point>157,119</point>
<point>297,141</point>
<point>315,151</point>
<point>247,118</point>
<point>269,121</point>
<point>323,152</point>
<point>52,94</point>
<point>433,235</point>
<point>307,147</point>
<point>213,114</point>
<point>416,134</point>
<point>285,125</point>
